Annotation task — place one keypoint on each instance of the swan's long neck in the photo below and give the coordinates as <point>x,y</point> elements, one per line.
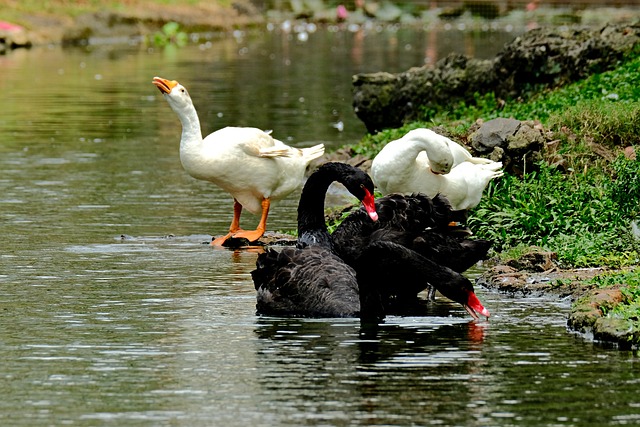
<point>415,146</point>
<point>311,206</point>
<point>312,228</point>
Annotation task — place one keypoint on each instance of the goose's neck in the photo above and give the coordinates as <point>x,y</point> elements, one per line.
<point>191,132</point>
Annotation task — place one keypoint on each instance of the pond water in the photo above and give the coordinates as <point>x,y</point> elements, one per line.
<point>113,311</point>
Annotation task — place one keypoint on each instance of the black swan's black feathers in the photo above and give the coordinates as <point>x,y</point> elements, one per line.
<point>405,251</point>
<point>309,282</point>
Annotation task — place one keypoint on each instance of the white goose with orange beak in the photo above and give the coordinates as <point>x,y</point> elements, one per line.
<point>246,162</point>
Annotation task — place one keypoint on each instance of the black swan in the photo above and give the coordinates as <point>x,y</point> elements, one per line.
<point>312,281</point>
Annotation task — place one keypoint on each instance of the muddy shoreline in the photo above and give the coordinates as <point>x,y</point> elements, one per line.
<point>121,26</point>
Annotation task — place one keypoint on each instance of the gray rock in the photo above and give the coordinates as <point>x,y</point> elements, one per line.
<point>494,133</point>
<point>384,100</point>
<point>518,145</point>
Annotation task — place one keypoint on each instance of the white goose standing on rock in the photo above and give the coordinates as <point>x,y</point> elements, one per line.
<point>246,162</point>
<point>426,162</point>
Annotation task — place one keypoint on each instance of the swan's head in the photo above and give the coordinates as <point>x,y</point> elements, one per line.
<point>359,184</point>
<point>175,94</point>
<point>461,291</point>
<point>440,159</point>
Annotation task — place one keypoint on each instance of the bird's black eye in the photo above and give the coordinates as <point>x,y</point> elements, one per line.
<point>182,90</point>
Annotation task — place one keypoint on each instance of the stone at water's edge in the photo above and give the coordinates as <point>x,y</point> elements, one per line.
<point>587,316</point>
<point>540,57</point>
<point>12,36</point>
<point>590,304</point>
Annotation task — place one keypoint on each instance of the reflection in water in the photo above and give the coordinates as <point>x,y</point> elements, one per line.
<point>436,370</point>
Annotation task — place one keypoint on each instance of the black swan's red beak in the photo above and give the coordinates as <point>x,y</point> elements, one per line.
<point>369,205</point>
<point>474,307</point>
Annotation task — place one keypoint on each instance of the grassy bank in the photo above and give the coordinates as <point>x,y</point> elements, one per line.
<point>585,213</point>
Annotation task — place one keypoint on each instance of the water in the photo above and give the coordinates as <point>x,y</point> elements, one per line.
<point>113,311</point>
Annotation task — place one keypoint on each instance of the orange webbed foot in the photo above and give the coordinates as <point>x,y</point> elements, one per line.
<point>220,240</point>
<point>251,236</point>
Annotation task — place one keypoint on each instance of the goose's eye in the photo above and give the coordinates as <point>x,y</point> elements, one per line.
<point>182,90</point>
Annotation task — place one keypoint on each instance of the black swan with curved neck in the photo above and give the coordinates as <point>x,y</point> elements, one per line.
<point>312,281</point>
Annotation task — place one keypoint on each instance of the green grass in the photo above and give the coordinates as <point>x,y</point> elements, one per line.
<point>584,217</point>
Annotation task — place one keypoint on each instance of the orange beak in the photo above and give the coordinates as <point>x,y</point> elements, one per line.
<point>164,85</point>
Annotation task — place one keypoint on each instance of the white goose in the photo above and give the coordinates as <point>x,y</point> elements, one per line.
<point>426,162</point>
<point>246,162</point>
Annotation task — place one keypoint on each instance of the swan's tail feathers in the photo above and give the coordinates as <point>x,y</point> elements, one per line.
<point>312,153</point>
<point>495,174</point>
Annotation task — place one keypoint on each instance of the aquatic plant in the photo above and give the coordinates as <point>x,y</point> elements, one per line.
<point>170,34</point>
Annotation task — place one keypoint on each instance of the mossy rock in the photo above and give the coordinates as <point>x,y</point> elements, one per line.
<point>587,317</point>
